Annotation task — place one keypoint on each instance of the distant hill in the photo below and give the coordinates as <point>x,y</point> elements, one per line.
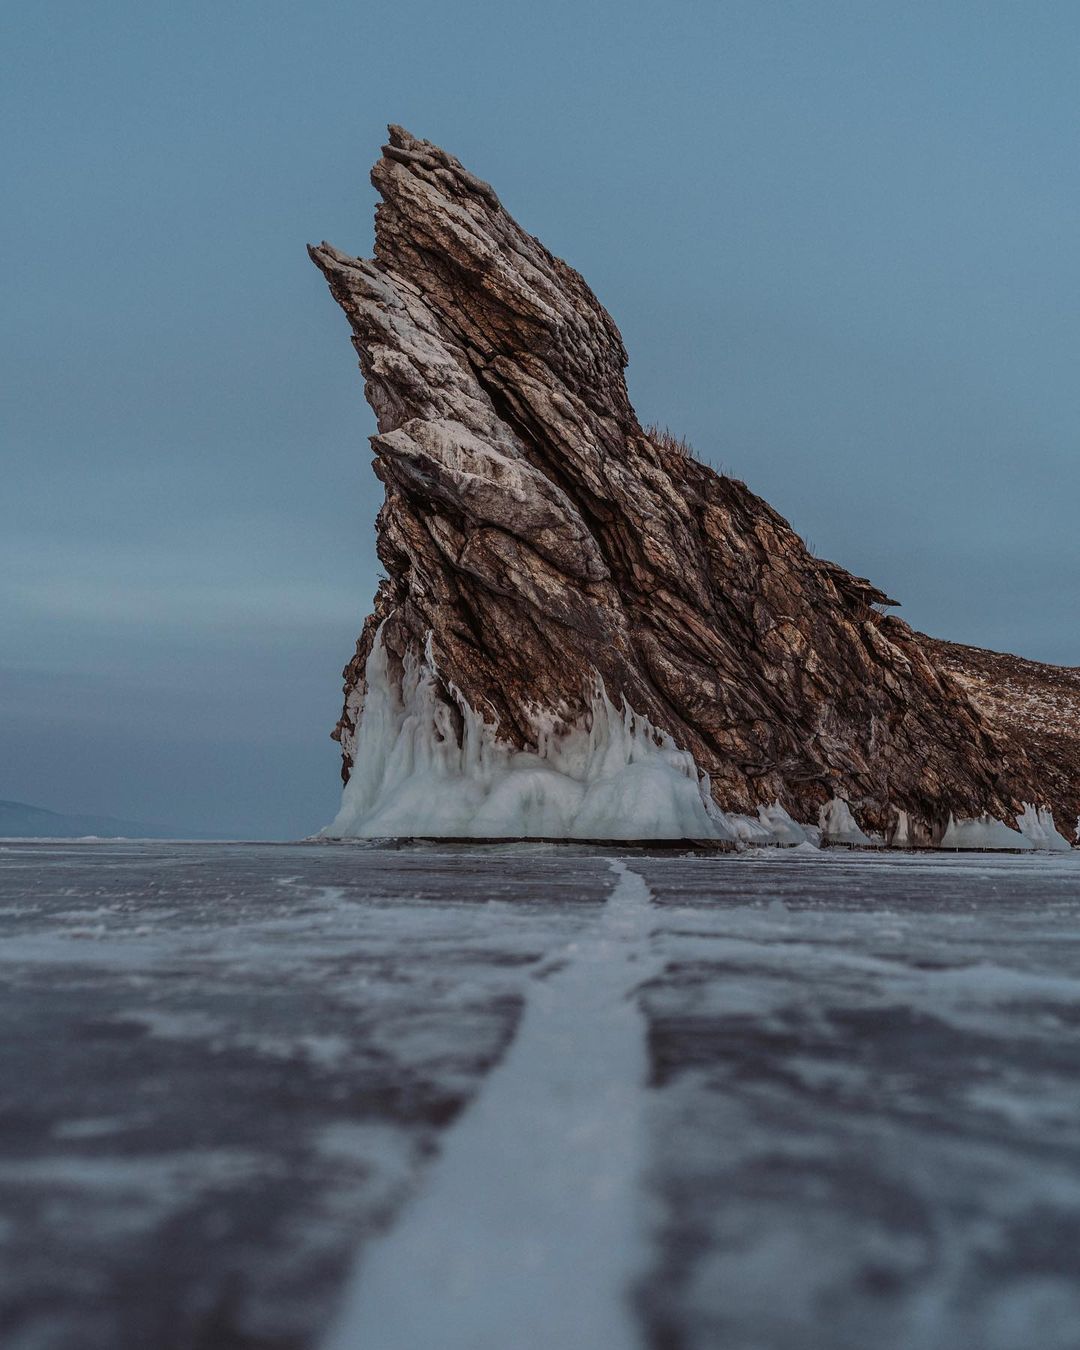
<point>18,820</point>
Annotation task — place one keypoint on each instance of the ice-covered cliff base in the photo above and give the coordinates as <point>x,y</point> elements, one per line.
<point>424,769</point>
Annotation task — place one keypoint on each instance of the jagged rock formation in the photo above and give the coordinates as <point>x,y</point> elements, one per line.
<point>537,534</point>
<point>1032,709</point>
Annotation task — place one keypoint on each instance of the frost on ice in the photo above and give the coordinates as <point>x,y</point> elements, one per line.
<point>414,774</point>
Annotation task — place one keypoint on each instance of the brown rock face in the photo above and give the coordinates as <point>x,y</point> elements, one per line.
<point>538,534</point>
<point>1032,709</point>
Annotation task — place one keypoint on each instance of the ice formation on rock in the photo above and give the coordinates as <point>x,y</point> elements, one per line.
<point>838,825</point>
<point>426,768</point>
<point>1037,825</point>
<point>901,834</point>
<point>782,828</point>
<point>983,833</point>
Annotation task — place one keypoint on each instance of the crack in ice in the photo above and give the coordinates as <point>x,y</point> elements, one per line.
<point>528,1231</point>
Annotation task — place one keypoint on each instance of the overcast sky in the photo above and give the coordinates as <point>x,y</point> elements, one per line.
<point>840,240</point>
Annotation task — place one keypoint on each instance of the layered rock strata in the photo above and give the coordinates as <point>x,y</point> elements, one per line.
<point>539,545</point>
<point>1033,711</point>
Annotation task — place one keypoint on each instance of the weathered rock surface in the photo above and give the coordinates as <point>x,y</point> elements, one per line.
<point>1032,709</point>
<point>535,531</point>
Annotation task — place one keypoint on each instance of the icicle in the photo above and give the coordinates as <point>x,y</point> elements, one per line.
<point>413,775</point>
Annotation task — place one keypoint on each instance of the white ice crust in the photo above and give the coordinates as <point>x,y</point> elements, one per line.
<point>983,833</point>
<point>783,829</point>
<point>902,836</point>
<point>838,825</point>
<point>1037,825</point>
<point>416,773</point>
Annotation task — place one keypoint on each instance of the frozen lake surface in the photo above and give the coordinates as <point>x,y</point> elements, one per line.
<point>273,1097</point>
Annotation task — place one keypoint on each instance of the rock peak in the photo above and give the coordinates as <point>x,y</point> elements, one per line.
<point>424,156</point>
<point>537,539</point>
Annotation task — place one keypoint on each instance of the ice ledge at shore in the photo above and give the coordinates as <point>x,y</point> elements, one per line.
<point>1035,831</point>
<point>416,773</point>
<point>425,769</point>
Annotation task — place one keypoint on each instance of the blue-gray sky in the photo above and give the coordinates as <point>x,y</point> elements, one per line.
<point>840,240</point>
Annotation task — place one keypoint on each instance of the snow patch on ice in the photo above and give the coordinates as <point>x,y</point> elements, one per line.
<point>807,849</point>
<point>419,770</point>
<point>528,1232</point>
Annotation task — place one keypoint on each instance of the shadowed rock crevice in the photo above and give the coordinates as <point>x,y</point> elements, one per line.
<point>535,531</point>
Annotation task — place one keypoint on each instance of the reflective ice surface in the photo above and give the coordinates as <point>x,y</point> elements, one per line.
<point>828,1100</point>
